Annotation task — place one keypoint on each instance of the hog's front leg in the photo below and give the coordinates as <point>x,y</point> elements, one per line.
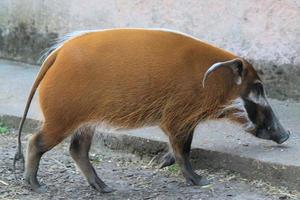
<point>181,146</point>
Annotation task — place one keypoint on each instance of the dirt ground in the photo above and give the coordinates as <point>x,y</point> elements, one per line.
<point>131,176</point>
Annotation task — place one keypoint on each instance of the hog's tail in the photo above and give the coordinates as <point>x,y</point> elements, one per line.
<point>48,62</point>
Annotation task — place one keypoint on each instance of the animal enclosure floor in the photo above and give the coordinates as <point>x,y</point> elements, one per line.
<point>131,176</point>
<point>219,137</point>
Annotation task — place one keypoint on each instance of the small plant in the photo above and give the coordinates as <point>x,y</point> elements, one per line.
<point>174,169</point>
<point>3,128</point>
<point>96,158</point>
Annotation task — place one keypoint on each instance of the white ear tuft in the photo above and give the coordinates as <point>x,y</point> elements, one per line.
<point>236,65</point>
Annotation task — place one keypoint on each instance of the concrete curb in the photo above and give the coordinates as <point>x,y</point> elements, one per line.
<point>276,174</point>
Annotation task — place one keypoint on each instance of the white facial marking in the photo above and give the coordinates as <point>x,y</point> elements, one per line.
<point>239,104</point>
<point>238,80</point>
<point>258,98</point>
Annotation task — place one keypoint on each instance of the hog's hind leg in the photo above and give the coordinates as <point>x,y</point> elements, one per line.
<point>167,160</point>
<point>79,150</point>
<point>40,143</point>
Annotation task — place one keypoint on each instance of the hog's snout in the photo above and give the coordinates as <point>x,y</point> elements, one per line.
<point>281,138</point>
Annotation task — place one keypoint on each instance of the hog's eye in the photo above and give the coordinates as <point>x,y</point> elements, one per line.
<point>258,89</point>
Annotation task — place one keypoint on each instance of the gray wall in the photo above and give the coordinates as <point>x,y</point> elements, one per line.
<point>267,32</point>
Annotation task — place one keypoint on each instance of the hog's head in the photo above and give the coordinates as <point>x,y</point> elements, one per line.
<point>249,105</point>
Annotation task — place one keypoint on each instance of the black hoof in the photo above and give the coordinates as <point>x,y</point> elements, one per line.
<point>107,190</point>
<point>35,186</point>
<point>198,180</point>
<point>102,189</point>
<point>100,186</point>
<point>167,160</point>
<point>40,189</point>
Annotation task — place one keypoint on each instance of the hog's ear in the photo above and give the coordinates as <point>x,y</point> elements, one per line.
<point>236,65</point>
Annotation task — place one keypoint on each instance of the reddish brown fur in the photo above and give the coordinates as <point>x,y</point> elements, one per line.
<point>130,79</point>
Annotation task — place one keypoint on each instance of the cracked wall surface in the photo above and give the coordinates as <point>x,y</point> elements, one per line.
<point>265,32</point>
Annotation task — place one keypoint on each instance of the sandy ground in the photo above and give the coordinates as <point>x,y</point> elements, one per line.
<point>131,176</point>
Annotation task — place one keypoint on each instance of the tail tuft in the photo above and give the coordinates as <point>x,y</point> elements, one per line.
<point>19,156</point>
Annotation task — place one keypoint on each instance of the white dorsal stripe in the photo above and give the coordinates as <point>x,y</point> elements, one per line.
<point>69,36</point>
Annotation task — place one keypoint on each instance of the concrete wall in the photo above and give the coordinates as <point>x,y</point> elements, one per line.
<point>267,32</point>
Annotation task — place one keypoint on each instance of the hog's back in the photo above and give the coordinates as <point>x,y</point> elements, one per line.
<point>127,78</point>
